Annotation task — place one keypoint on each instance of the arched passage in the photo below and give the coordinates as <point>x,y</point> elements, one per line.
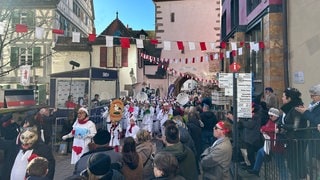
<point>180,80</point>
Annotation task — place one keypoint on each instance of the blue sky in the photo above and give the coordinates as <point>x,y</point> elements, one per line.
<point>138,14</point>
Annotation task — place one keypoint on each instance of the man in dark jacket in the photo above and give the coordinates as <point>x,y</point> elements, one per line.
<point>185,156</point>
<point>209,120</point>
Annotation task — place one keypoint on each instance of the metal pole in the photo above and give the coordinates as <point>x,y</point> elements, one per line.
<point>235,125</point>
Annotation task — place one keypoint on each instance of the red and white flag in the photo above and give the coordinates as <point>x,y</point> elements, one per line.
<point>25,75</point>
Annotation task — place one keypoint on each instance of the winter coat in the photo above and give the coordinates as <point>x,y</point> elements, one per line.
<point>186,160</point>
<point>82,162</point>
<point>293,121</point>
<point>216,160</point>
<point>133,174</point>
<point>269,129</point>
<point>145,150</point>
<point>209,120</point>
<point>251,129</point>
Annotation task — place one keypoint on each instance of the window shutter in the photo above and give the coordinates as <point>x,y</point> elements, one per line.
<point>15,19</point>
<point>14,57</point>
<point>124,56</point>
<point>103,56</point>
<point>36,56</point>
<point>30,19</point>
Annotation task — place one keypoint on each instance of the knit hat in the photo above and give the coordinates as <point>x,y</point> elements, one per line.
<point>274,112</point>
<point>84,110</point>
<point>99,164</point>
<point>102,137</point>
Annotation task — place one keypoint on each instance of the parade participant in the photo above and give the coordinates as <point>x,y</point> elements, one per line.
<point>19,155</point>
<point>147,121</point>
<point>164,115</point>
<point>133,129</point>
<point>114,127</point>
<point>216,159</point>
<point>82,131</point>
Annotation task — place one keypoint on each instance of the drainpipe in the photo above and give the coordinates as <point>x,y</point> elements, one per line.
<point>285,42</point>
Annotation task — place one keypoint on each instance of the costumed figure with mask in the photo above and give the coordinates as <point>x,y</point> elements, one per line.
<point>114,127</point>
<point>82,132</point>
<point>19,154</point>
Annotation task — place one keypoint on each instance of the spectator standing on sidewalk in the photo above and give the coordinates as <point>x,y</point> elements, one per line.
<point>100,145</point>
<point>209,120</point>
<point>312,113</point>
<point>291,124</point>
<point>216,159</point>
<point>270,98</point>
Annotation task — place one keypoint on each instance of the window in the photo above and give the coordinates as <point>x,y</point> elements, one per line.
<point>26,17</point>
<point>113,57</point>
<point>172,17</point>
<point>251,5</point>
<point>76,9</point>
<point>142,36</point>
<point>254,60</point>
<point>25,56</point>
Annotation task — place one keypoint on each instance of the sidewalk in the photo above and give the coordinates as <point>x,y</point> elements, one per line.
<point>63,167</point>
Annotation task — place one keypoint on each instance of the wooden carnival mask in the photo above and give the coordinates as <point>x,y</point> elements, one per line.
<point>115,110</point>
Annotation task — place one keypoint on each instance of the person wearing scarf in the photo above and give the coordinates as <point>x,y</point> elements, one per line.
<point>133,129</point>
<point>292,125</point>
<point>115,130</point>
<point>83,130</point>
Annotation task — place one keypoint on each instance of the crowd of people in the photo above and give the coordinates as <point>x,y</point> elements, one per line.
<point>161,139</point>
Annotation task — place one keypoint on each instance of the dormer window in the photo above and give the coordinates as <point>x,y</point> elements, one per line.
<point>142,36</point>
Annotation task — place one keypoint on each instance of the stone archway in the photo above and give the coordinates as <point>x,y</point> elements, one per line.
<point>180,80</point>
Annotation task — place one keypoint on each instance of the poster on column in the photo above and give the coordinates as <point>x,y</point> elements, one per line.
<point>244,95</point>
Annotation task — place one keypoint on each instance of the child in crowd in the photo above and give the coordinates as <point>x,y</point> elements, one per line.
<point>37,169</point>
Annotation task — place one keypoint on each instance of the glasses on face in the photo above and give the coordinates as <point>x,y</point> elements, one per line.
<point>216,127</point>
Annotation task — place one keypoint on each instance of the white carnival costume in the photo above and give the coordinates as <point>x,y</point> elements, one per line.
<point>82,132</point>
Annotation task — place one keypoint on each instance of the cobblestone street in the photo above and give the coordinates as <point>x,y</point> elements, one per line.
<point>63,167</point>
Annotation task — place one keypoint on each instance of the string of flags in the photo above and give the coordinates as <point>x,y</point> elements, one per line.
<point>232,48</point>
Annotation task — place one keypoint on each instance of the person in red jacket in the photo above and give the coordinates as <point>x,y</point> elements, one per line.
<point>269,131</point>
